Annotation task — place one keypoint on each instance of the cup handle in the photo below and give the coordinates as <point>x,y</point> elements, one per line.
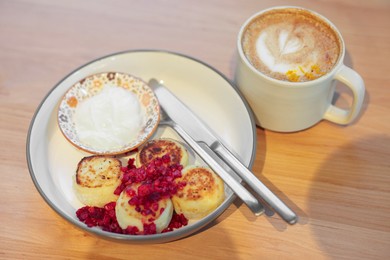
<point>355,82</point>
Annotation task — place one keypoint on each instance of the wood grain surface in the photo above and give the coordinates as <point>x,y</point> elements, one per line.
<point>337,178</point>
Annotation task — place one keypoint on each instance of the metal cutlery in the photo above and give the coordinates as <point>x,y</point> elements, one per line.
<point>190,127</point>
<point>207,156</point>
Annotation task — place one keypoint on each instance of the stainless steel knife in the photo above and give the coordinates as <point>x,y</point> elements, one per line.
<point>201,133</point>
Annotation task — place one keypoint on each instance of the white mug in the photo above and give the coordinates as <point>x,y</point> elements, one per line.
<point>285,106</point>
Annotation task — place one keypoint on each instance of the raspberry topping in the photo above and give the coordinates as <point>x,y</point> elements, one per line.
<point>155,181</point>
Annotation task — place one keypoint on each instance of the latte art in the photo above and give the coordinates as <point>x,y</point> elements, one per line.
<point>291,45</point>
<point>288,44</point>
<point>281,50</point>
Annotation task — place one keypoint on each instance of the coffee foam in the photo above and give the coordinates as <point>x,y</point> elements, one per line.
<point>291,45</point>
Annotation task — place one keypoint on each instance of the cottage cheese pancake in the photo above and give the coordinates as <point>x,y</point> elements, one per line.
<point>128,216</point>
<point>159,147</point>
<point>203,193</point>
<point>291,44</point>
<point>96,179</point>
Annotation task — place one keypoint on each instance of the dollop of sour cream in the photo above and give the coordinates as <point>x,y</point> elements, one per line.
<point>110,119</point>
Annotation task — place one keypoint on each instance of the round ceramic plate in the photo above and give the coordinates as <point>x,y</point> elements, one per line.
<point>93,85</point>
<point>52,160</point>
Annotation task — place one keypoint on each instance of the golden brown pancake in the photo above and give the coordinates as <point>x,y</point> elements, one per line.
<point>204,192</point>
<point>96,179</point>
<point>157,148</point>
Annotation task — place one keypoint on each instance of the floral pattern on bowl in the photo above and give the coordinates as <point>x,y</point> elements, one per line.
<point>92,85</point>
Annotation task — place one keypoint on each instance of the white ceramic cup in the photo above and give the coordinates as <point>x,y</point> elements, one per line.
<point>285,106</point>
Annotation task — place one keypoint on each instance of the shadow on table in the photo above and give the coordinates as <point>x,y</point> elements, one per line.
<point>350,214</point>
<point>276,222</point>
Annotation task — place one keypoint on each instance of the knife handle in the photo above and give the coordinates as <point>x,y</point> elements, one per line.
<point>270,198</point>
<point>237,188</point>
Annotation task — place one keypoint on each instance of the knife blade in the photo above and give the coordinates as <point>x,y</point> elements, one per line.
<point>200,132</point>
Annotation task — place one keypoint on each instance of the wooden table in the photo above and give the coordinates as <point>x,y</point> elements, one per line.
<point>336,178</point>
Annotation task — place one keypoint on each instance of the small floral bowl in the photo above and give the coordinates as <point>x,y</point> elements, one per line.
<point>91,86</point>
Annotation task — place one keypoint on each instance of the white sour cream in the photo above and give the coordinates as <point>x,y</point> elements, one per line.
<point>110,119</point>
